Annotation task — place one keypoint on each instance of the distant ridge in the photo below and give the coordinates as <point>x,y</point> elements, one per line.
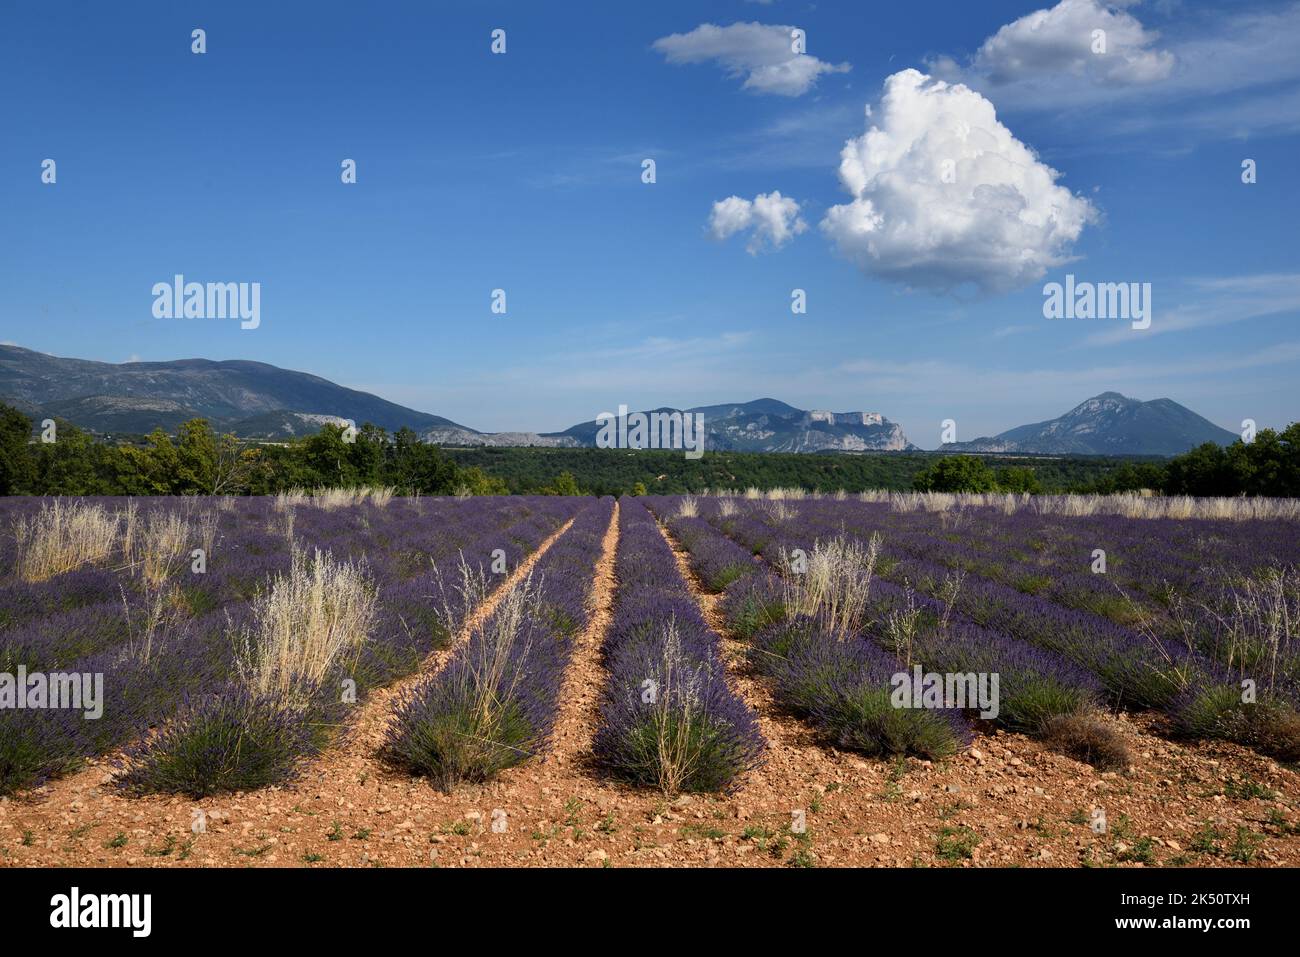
<point>1108,424</point>
<point>256,400</point>
<point>248,398</point>
<point>769,425</point>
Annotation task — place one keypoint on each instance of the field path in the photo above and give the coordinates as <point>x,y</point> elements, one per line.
<point>792,747</point>
<point>585,678</point>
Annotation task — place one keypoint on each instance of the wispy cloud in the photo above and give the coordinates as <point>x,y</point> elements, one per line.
<point>768,56</point>
<point>1214,302</point>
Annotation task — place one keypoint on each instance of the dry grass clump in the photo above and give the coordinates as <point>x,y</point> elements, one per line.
<point>688,507</point>
<point>779,511</point>
<point>467,722</point>
<point>1086,739</point>
<point>62,537</point>
<point>675,715</point>
<point>307,621</point>
<point>285,501</point>
<point>727,508</point>
<point>159,548</point>
<point>832,584</point>
<point>780,494</point>
<point>332,498</point>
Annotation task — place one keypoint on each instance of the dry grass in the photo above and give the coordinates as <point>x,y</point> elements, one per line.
<point>1135,505</point>
<point>307,621</point>
<point>778,511</point>
<point>159,549</point>
<point>675,710</point>
<point>490,683</point>
<point>727,507</point>
<point>833,583</point>
<point>332,498</point>
<point>285,501</point>
<point>208,522</point>
<point>1254,622</point>
<point>62,537</point>
<point>688,507</point>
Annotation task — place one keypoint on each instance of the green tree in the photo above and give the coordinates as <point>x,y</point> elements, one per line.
<point>16,464</point>
<point>196,458</point>
<point>73,464</point>
<point>956,473</point>
<point>477,482</point>
<point>1205,470</point>
<point>564,484</point>
<point>1018,478</point>
<point>328,458</point>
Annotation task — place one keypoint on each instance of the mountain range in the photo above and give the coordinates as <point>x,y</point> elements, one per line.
<point>256,400</point>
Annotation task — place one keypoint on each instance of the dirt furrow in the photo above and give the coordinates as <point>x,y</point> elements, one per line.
<point>788,739</point>
<point>585,678</point>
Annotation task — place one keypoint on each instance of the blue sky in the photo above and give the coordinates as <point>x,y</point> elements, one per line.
<point>522,171</point>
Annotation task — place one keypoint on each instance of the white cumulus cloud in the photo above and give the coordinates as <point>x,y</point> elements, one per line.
<point>1065,40</point>
<point>944,196</point>
<point>773,220</point>
<point>1078,52</point>
<point>764,54</point>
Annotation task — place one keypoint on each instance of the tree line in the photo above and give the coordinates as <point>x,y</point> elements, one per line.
<point>198,460</point>
<point>1267,466</point>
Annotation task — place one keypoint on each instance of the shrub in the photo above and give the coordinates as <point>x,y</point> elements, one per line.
<point>230,741</point>
<point>469,721</point>
<point>678,737</point>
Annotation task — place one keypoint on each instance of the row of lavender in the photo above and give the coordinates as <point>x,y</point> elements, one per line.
<point>159,627</point>
<point>820,668</point>
<point>1061,647</point>
<point>495,703</point>
<point>668,718</point>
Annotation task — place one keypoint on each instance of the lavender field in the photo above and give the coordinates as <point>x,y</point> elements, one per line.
<point>738,647</point>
